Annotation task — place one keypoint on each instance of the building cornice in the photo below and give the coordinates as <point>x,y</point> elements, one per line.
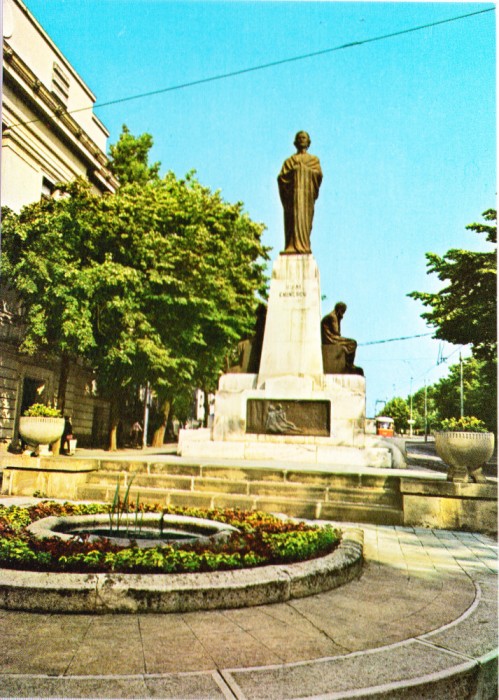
<point>42,99</point>
<point>54,48</point>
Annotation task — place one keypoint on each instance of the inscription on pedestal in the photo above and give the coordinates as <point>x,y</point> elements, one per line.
<point>293,290</point>
<point>285,417</point>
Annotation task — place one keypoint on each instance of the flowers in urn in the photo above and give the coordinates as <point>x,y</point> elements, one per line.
<point>40,410</point>
<point>40,426</point>
<point>465,445</point>
<point>465,424</point>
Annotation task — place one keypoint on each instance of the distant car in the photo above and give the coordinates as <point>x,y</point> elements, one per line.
<point>384,426</point>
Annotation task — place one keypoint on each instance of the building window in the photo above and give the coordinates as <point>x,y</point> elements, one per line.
<point>47,188</point>
<point>60,84</point>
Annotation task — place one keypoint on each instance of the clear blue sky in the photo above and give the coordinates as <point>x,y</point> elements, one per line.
<point>404,128</point>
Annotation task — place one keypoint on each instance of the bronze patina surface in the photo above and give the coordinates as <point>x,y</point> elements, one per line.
<point>285,417</point>
<point>299,182</point>
<point>337,362</point>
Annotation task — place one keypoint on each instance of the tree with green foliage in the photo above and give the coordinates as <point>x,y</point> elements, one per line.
<point>151,284</point>
<point>465,312</point>
<point>478,393</point>
<point>419,399</point>
<point>443,398</point>
<point>398,409</point>
<point>43,255</point>
<point>129,158</point>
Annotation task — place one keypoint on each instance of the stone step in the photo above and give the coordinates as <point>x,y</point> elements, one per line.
<point>314,452</point>
<point>313,508</point>
<point>237,473</point>
<point>327,490</point>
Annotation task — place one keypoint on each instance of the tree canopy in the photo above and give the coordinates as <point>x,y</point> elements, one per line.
<point>464,311</point>
<point>398,409</point>
<point>151,284</point>
<point>129,158</point>
<point>444,397</point>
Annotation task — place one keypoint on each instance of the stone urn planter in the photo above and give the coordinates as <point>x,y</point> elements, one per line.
<point>465,453</point>
<point>40,431</point>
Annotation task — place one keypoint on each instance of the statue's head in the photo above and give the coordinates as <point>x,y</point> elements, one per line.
<point>302,141</point>
<point>340,308</point>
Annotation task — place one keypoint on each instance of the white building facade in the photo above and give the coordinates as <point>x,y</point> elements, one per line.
<point>49,131</point>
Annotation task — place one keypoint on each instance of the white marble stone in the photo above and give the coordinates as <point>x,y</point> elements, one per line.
<point>198,434</point>
<point>351,456</point>
<point>237,382</point>
<point>187,447</point>
<point>289,387</point>
<point>291,369</point>
<point>347,400</point>
<point>309,450</point>
<point>292,341</point>
<point>290,453</point>
<point>349,382</point>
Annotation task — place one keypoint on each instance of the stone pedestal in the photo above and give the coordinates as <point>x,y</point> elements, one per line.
<point>335,411</point>
<point>292,341</point>
<point>450,506</point>
<point>53,477</point>
<point>290,410</point>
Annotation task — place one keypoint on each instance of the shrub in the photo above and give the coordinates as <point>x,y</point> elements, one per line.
<point>465,424</point>
<point>40,410</point>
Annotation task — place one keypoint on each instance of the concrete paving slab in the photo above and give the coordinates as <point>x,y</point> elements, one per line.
<point>84,687</point>
<point>417,632</point>
<point>330,677</point>
<point>209,686</point>
<point>474,634</point>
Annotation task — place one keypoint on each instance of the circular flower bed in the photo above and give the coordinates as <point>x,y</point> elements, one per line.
<point>262,539</point>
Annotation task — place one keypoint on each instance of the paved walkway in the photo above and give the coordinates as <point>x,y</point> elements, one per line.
<point>425,605</point>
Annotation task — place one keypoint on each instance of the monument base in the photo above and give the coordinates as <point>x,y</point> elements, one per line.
<point>319,451</point>
<point>335,411</point>
<point>291,411</point>
<point>322,426</point>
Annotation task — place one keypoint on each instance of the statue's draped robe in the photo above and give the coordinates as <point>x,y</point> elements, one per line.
<point>299,182</point>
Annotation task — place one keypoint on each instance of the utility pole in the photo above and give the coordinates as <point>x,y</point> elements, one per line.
<point>461,384</point>
<point>411,422</point>
<point>425,412</point>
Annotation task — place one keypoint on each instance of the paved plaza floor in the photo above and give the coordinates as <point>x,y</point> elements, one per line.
<point>423,613</point>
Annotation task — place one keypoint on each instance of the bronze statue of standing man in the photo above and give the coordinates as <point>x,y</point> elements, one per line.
<point>299,182</point>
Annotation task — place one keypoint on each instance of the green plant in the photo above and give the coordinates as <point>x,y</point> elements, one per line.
<point>14,518</point>
<point>465,424</point>
<point>120,508</point>
<point>40,410</point>
<point>293,546</point>
<point>262,539</point>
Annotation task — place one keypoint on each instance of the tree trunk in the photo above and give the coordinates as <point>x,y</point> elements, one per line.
<point>159,434</point>
<point>206,408</point>
<point>63,383</point>
<point>61,395</point>
<point>114,419</point>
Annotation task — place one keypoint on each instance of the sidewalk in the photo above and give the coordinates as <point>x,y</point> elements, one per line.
<point>423,613</point>
<point>421,457</point>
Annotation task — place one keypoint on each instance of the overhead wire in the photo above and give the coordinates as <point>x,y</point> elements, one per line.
<point>392,340</point>
<point>460,347</point>
<point>270,64</point>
